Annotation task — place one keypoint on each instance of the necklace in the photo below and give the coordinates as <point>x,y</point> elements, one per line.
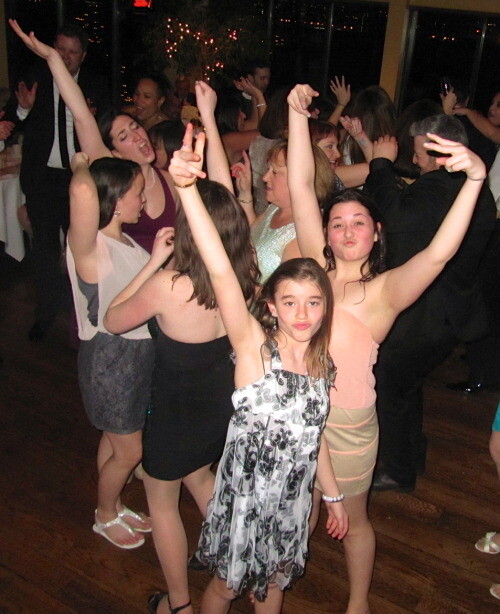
<point>150,187</point>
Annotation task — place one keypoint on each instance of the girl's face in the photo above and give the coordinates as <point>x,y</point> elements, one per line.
<point>131,141</point>
<point>299,307</point>
<point>330,146</point>
<point>351,231</point>
<point>276,182</point>
<point>147,101</point>
<point>161,155</point>
<point>494,110</point>
<point>132,202</point>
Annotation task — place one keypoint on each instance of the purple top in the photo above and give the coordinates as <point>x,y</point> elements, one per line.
<point>144,232</point>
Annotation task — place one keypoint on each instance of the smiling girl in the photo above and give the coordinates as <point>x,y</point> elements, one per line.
<point>256,531</point>
<point>349,243</point>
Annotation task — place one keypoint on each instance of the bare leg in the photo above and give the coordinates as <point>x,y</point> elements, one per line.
<point>495,449</point>
<point>359,544</point>
<point>272,603</point>
<point>217,598</point>
<point>170,539</point>
<point>200,484</point>
<point>116,457</point>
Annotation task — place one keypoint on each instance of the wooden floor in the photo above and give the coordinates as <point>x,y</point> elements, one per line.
<point>52,562</point>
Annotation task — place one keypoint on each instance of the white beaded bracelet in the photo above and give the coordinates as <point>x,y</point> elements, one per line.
<point>341,497</point>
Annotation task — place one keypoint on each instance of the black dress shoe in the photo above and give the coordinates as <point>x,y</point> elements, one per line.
<point>383,481</point>
<point>38,330</point>
<point>467,386</point>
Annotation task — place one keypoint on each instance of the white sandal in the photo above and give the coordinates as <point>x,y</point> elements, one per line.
<point>487,545</point>
<point>100,528</point>
<point>140,518</point>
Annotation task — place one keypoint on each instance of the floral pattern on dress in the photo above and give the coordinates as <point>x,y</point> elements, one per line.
<point>257,524</point>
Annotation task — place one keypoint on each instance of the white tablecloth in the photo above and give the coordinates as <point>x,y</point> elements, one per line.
<point>11,198</point>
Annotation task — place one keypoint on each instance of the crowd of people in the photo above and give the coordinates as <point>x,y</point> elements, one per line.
<point>233,287</point>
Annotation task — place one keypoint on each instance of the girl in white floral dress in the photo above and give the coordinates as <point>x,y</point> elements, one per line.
<point>256,530</point>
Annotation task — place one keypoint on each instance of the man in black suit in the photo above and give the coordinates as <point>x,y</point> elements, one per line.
<point>49,143</point>
<point>450,310</point>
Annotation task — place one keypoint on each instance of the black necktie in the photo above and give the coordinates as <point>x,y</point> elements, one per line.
<point>63,139</point>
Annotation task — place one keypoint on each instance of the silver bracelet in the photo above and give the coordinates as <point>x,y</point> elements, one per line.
<point>341,497</point>
<point>261,104</point>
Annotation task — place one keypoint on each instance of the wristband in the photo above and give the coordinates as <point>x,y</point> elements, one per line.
<point>339,104</point>
<point>188,185</point>
<point>261,104</point>
<point>245,202</point>
<point>341,497</point>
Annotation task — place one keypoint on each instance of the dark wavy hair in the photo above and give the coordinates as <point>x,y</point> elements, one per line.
<point>227,113</point>
<point>318,360</point>
<point>161,82</point>
<point>114,178</point>
<point>105,125</point>
<point>170,133</point>
<point>234,231</point>
<point>377,258</point>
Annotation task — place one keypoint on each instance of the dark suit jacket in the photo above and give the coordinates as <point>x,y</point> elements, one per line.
<point>38,127</point>
<point>412,215</point>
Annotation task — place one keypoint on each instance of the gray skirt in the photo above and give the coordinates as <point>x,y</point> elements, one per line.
<point>115,381</point>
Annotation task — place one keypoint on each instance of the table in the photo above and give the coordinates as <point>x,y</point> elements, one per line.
<point>11,198</point>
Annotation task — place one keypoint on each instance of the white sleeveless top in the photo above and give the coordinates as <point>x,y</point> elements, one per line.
<point>117,265</point>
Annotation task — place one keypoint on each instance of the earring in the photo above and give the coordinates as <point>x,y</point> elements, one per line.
<point>275,324</point>
<point>117,213</point>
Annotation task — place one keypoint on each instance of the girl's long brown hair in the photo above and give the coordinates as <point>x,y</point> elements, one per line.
<point>318,360</point>
<point>234,231</point>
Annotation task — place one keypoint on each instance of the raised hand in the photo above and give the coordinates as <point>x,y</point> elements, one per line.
<point>385,147</point>
<point>341,91</point>
<point>206,98</point>
<point>300,97</point>
<point>458,158</point>
<point>242,173</point>
<point>352,125</point>
<point>32,42</point>
<point>245,85</point>
<point>26,96</point>
<point>185,164</point>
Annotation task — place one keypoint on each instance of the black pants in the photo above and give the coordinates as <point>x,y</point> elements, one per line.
<point>48,209</point>
<point>403,363</point>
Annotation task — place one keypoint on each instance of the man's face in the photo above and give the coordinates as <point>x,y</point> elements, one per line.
<point>261,78</point>
<point>70,49</point>
<point>421,157</point>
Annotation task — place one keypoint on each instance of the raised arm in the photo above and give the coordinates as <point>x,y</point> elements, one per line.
<point>342,93</point>
<point>481,123</point>
<point>404,284</point>
<point>217,164</point>
<point>85,123</point>
<point>242,329</point>
<point>242,173</point>
<point>300,162</point>
<point>84,218</point>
